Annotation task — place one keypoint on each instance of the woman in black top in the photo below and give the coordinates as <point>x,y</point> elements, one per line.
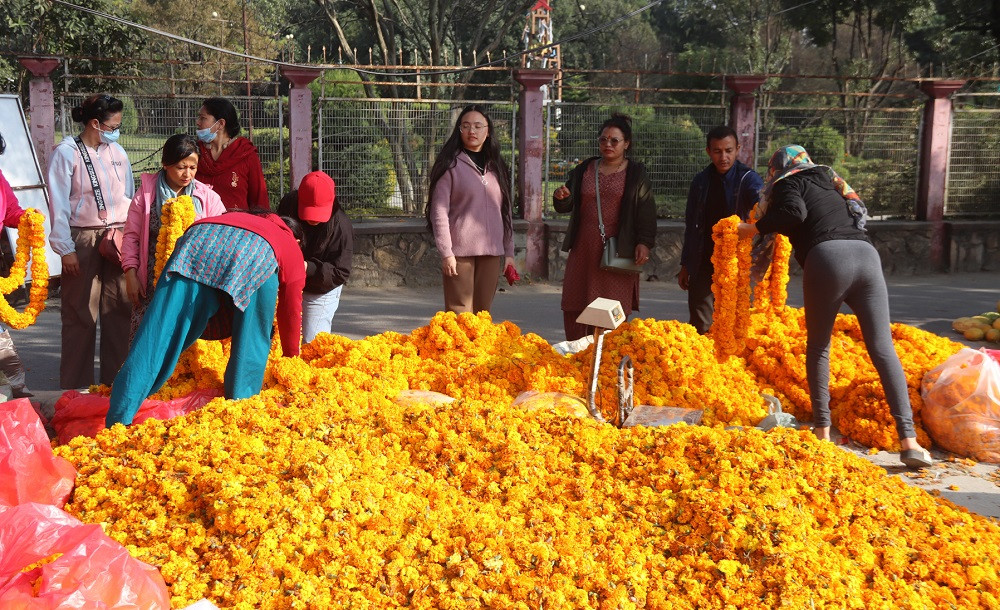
<point>825,221</point>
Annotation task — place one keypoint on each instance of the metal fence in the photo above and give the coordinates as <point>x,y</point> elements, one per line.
<point>668,139</point>
<point>876,151</point>
<point>147,121</point>
<point>380,151</point>
<point>973,172</point>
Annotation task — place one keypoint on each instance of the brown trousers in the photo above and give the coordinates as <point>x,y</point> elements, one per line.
<point>99,289</point>
<point>474,286</point>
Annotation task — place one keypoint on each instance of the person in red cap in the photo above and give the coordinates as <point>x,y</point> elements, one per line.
<point>328,248</point>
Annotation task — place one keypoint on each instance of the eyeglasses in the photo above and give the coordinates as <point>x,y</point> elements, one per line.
<point>467,127</point>
<point>110,128</point>
<point>606,140</point>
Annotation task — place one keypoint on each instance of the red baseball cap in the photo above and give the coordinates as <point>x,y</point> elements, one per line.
<point>317,193</point>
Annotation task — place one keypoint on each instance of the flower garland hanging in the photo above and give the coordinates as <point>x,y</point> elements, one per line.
<point>175,218</point>
<point>30,241</point>
<point>731,287</point>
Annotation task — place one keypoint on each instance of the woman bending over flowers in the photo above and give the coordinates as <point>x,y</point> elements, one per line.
<point>180,163</point>
<point>240,263</point>
<point>825,221</point>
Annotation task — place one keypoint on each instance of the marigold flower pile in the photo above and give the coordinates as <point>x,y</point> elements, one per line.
<point>325,491</point>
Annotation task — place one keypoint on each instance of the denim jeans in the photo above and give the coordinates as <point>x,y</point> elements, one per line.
<point>317,312</point>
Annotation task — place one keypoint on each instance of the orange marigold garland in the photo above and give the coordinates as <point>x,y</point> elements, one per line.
<point>731,291</point>
<point>30,242</point>
<point>175,218</point>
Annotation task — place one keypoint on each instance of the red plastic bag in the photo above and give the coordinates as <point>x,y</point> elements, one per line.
<point>29,471</point>
<point>961,408</point>
<point>82,567</point>
<point>79,414</point>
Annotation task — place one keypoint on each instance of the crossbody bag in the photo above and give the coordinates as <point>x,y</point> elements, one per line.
<point>110,244</point>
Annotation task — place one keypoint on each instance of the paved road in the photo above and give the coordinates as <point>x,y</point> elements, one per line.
<point>928,302</point>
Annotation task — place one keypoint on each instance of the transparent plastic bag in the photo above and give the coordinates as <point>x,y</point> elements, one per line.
<point>961,408</point>
<point>557,402</point>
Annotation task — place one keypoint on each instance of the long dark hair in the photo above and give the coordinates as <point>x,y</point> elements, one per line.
<point>448,157</point>
<point>221,108</point>
<point>100,107</point>
<point>178,147</point>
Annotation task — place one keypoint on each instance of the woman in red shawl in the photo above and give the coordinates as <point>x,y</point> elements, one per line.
<point>229,163</point>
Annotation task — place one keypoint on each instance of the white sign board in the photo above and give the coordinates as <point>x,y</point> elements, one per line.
<point>19,165</point>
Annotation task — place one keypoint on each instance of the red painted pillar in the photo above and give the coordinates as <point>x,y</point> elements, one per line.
<point>531,148</point>
<point>932,186</point>
<point>42,106</point>
<point>300,120</point>
<point>743,113</point>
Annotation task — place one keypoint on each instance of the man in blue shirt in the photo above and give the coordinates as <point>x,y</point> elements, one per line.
<point>724,188</point>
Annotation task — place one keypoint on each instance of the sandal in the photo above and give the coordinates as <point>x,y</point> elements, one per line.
<point>916,458</point>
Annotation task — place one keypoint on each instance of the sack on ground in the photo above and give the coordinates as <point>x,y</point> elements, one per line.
<point>610,260</point>
<point>961,408</point>
<point>29,471</point>
<point>76,565</point>
<point>79,414</point>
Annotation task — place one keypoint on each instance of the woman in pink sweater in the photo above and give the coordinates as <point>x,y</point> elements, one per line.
<point>470,213</point>
<point>142,225</point>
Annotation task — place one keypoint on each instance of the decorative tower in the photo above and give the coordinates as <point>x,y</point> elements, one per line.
<point>538,33</point>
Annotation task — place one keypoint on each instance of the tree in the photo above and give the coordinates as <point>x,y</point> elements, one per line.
<point>433,32</point>
<point>47,28</point>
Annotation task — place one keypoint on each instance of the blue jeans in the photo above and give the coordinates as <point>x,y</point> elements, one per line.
<point>317,312</point>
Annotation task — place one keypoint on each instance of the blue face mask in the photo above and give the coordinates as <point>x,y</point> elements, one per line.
<point>110,137</point>
<point>206,135</point>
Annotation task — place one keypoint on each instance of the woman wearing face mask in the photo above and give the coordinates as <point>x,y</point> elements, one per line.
<point>82,205</point>
<point>227,163</point>
<point>180,163</point>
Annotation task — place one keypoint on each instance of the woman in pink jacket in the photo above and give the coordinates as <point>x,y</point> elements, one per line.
<point>180,163</point>
<point>470,213</point>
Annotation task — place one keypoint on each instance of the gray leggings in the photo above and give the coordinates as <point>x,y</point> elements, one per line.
<point>849,271</point>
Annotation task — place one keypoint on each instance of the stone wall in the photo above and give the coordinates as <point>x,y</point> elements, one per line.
<point>402,252</point>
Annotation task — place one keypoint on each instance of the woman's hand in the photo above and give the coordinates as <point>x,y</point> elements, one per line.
<point>132,286</point>
<point>449,267</point>
<point>746,230</point>
<point>508,261</point>
<point>641,254</point>
<point>561,193</point>
<point>70,264</point>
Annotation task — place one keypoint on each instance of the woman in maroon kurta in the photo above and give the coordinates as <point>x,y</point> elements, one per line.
<point>629,212</point>
<point>229,164</point>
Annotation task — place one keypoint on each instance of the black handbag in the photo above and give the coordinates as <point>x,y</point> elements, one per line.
<point>610,260</point>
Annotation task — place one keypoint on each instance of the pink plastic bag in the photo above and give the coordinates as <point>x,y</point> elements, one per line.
<point>79,414</point>
<point>29,471</point>
<point>92,570</point>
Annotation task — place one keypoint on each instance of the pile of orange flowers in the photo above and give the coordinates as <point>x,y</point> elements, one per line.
<point>322,491</point>
<point>30,243</point>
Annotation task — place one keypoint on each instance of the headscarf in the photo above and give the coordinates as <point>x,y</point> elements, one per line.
<point>787,161</point>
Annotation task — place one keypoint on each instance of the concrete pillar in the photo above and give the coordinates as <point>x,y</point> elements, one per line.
<point>300,120</point>
<point>42,108</point>
<point>935,143</point>
<point>743,113</point>
<point>531,148</point>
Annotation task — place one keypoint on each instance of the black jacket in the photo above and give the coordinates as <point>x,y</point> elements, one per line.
<point>328,247</point>
<point>809,210</point>
<point>637,218</point>
<point>741,185</point>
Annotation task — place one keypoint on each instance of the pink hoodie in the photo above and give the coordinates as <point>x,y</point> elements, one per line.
<point>135,245</point>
